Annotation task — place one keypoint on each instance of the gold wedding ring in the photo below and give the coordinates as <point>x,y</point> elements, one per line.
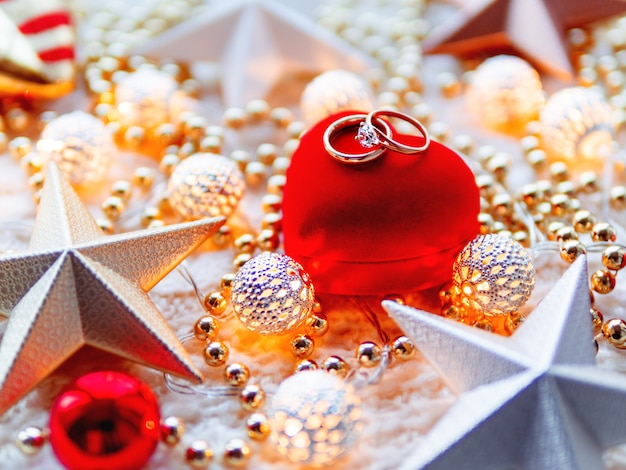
<point>387,141</point>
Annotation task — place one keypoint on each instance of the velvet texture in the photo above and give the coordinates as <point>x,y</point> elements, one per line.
<point>393,225</point>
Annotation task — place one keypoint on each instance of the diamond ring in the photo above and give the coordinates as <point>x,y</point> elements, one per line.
<point>367,136</point>
<point>385,139</point>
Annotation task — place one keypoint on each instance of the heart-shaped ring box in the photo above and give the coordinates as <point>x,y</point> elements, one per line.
<point>393,225</point>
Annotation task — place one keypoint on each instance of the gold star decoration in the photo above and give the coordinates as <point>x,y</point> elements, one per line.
<point>532,29</point>
<point>533,400</point>
<point>265,50</point>
<point>75,286</point>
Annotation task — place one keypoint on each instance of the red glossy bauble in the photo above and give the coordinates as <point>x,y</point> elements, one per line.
<point>394,225</point>
<point>105,420</point>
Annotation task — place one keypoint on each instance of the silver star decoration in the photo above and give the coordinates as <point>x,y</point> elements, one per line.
<point>265,50</point>
<point>75,286</point>
<point>534,400</point>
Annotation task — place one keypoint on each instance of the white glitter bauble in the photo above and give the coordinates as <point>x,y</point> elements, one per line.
<point>334,91</point>
<point>314,418</point>
<point>272,294</point>
<point>146,98</point>
<point>494,275</point>
<point>205,185</point>
<point>577,123</point>
<point>80,144</point>
<point>506,92</point>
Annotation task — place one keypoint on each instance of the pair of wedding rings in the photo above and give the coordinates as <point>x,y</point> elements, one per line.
<point>373,133</point>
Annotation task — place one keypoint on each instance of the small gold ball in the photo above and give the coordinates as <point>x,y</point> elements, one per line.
<point>565,187</point>
<point>237,453</point>
<point>198,454</point>
<point>106,226</point>
<point>369,354</point>
<point>403,348</point>
<point>252,397</point>
<point>31,440</point>
<point>112,207</point>
<point>156,223</point>
<point>529,143</point>
<point>559,172</point>
<point>187,150</point>
<point>566,233</point>
<point>19,147</point>
<point>512,321</point>
<point>17,119</point>
<point>267,153</point>
<point>295,129</point>
<point>258,110</point>
<point>483,323</point>
<point>237,374</point>
<point>273,221</point>
<point>614,332</point>
<point>122,189</point>
<point>258,426</point>
<point>603,232</point>
<point>223,236</point>
<point>234,117</point>
<point>302,346</point>
<point>584,221</point>
<point>271,203</point>
<point>240,260</point>
<point>241,158</point>
<point>255,173</point>
<point>536,158</point>
<point>614,257</point>
<point>597,319</point>
<point>316,325</point>
<point>31,163</point>
<point>165,133</point>
<point>206,328</point>
<point>553,228</point>
<point>560,204</point>
<point>215,303</point>
<point>215,353</point>
<point>531,195</point>
<point>143,177</point>
<point>305,364</point>
<point>603,281</point>
<point>572,249</point>
<point>36,180</point>
<point>335,365</point>
<point>588,182</point>
<point>168,163</point>
<point>617,196</point>
<point>268,240</point>
<point>149,215</point>
<point>172,430</point>
<point>210,144</point>
<point>281,117</point>
<point>134,136</point>
<point>245,243</point>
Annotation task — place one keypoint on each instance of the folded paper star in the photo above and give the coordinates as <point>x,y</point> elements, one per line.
<point>532,29</point>
<point>74,286</point>
<point>534,400</point>
<point>265,50</point>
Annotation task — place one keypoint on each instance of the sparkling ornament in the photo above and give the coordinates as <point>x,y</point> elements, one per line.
<point>272,294</point>
<point>334,91</point>
<point>314,418</point>
<point>80,144</point>
<point>577,124</point>
<point>368,230</point>
<point>105,420</point>
<point>146,98</point>
<point>206,185</point>
<point>505,91</point>
<point>494,275</point>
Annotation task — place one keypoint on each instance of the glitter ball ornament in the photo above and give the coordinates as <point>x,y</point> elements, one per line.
<point>314,418</point>
<point>334,91</point>
<point>146,98</point>
<point>80,144</point>
<point>105,420</point>
<point>205,185</point>
<point>493,275</point>
<point>506,92</point>
<point>272,294</point>
<point>577,124</point>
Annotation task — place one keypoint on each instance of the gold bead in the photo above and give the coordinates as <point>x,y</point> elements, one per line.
<point>215,353</point>
<point>211,144</point>
<point>522,237</point>
<point>572,249</point>
<point>267,153</point>
<point>403,348</point>
<point>559,172</point>
<point>617,196</point>
<point>369,354</point>
<point>290,147</point>
<point>486,185</point>
<point>245,243</point>
<point>463,143</point>
<point>536,159</point>
<point>143,177</point>
<point>186,150</point>
<point>483,323</point>
<point>281,117</point>
<point>316,325</point>
<point>272,221</point>
<point>31,163</point>
<point>226,284</point>
<point>566,233</point>
<point>454,312</point>
<point>206,328</point>
<point>252,397</point>
<point>614,332</point>
<point>584,221</point>
<point>36,180</point>
<point>234,117</point>
<point>335,365</point>
<point>223,236</point>
<point>149,215</point>
<point>215,131</point>
<point>499,165</point>
<point>603,281</point>
<point>165,133</point>
<point>258,426</point>
<point>112,207</point>
<point>597,319</point>
<point>588,182</point>
<point>614,257</point>
<point>31,440</point>
<point>105,225</point>
<point>237,374</point>
<point>268,240</point>
<point>241,157</point>
<point>486,223</point>
<point>603,232</point>
<point>529,143</point>
<point>302,346</point>
<point>134,136</point>
<point>531,195</point>
<point>255,172</point>
<point>295,129</point>
<point>258,110</point>
<point>560,204</point>
<point>502,205</point>
<point>439,131</point>
<point>194,128</point>
<point>565,187</point>
<point>305,364</point>
<point>545,186</point>
<point>215,303</point>
<point>172,430</point>
<point>512,321</point>
<point>122,189</point>
<point>237,453</point>
<point>168,163</point>
<point>17,119</point>
<point>553,228</point>
<point>156,223</point>
<point>240,260</point>
<point>276,183</point>
<point>198,454</point>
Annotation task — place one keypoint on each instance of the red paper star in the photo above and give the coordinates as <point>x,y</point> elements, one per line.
<point>532,29</point>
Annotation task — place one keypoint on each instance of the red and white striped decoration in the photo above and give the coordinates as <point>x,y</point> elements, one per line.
<point>47,26</point>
